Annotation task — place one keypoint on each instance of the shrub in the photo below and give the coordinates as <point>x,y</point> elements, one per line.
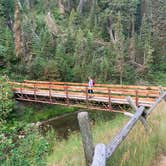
<point>6,101</point>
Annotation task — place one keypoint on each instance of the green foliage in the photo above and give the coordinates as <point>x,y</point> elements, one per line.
<point>83,45</point>
<point>6,46</point>
<point>139,148</point>
<point>146,42</point>
<point>159,39</point>
<point>24,146</point>
<point>6,101</point>
<point>32,145</point>
<point>7,8</point>
<point>35,113</point>
<point>37,68</point>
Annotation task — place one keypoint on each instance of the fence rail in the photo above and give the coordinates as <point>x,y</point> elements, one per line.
<point>102,152</point>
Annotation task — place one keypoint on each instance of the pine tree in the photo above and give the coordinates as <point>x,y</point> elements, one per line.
<point>119,46</point>
<point>159,33</point>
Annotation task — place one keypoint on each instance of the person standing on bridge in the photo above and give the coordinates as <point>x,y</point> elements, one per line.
<point>90,86</point>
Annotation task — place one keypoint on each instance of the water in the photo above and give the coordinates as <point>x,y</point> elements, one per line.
<point>63,125</point>
<point>66,124</point>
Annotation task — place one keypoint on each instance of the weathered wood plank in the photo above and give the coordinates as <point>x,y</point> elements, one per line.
<point>132,103</point>
<point>99,158</point>
<point>86,134</point>
<point>128,114</point>
<point>142,119</point>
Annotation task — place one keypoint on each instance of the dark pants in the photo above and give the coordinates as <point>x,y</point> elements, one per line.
<point>90,91</point>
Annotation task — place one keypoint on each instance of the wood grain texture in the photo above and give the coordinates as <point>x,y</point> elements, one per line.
<point>86,134</point>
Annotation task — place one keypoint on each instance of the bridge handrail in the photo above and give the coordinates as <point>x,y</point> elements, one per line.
<point>105,94</point>
<point>97,85</point>
<point>97,90</point>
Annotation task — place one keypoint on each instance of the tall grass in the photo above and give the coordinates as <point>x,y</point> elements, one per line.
<point>70,152</point>
<point>139,149</point>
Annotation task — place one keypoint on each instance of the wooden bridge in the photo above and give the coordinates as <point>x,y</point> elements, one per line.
<point>106,96</point>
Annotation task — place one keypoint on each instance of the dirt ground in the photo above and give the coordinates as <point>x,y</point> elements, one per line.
<point>161,161</point>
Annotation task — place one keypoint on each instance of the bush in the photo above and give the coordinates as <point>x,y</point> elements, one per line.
<point>24,145</point>
<point>6,101</point>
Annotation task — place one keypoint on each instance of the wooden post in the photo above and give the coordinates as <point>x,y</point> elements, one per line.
<point>21,92</point>
<point>132,104</point>
<point>161,90</point>
<point>128,114</point>
<point>50,94</point>
<point>35,91</point>
<point>109,99</point>
<point>86,92</point>
<point>86,134</point>
<point>99,158</point>
<point>136,98</point>
<point>135,108</point>
<point>67,95</point>
<point>123,133</point>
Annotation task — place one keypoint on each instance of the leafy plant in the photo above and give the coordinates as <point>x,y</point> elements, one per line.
<point>24,145</point>
<point>6,101</point>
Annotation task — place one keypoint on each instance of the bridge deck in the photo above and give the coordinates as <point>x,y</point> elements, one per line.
<point>105,96</point>
<point>54,94</point>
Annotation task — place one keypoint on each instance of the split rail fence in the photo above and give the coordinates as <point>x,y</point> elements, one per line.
<point>98,155</point>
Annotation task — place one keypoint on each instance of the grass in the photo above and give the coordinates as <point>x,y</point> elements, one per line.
<point>70,152</point>
<point>140,148</point>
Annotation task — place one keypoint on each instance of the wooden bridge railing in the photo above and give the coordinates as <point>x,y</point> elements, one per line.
<point>97,85</point>
<point>97,156</point>
<point>79,90</point>
<point>98,90</point>
<point>101,91</point>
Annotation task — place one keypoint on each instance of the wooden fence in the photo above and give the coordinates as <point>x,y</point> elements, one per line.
<point>97,156</point>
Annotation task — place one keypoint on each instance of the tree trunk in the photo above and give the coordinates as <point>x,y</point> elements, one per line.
<point>132,41</point>
<point>110,30</point>
<point>143,7</point>
<point>80,6</point>
<point>51,24</point>
<point>18,32</point>
<point>68,5</point>
<point>61,7</point>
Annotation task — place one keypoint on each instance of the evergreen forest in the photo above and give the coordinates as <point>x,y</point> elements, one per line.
<point>114,41</point>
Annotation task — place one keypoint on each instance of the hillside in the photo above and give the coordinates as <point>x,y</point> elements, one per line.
<point>115,41</point>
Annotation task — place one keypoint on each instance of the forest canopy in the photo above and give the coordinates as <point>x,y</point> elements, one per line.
<point>115,41</point>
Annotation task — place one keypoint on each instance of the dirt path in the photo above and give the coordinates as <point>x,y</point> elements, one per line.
<point>161,161</point>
